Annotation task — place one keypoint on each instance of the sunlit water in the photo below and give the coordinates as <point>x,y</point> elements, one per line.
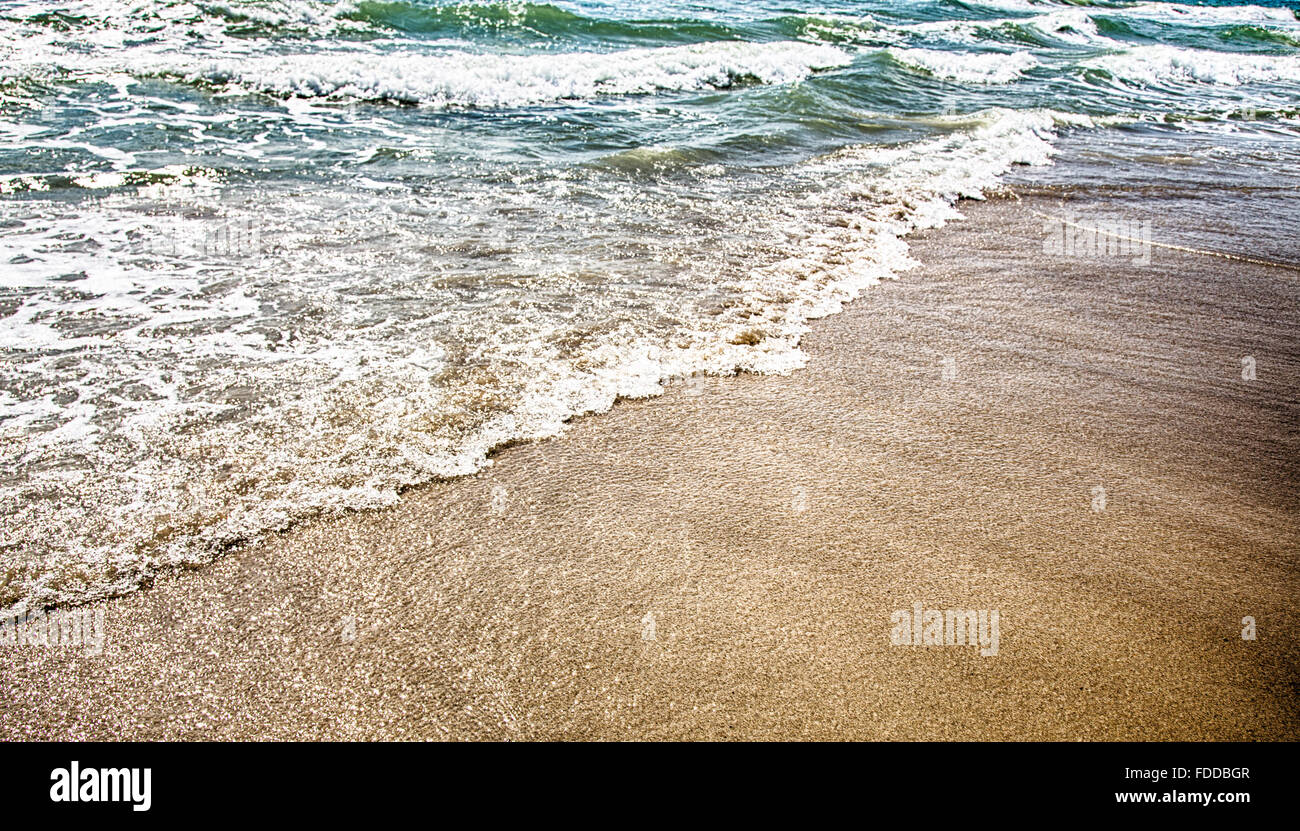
<point>267,259</point>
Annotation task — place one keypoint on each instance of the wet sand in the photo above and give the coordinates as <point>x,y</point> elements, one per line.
<point>722,562</point>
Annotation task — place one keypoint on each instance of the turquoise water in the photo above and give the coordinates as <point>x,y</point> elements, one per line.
<point>270,259</point>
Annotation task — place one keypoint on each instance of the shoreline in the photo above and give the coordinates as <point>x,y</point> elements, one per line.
<point>723,561</point>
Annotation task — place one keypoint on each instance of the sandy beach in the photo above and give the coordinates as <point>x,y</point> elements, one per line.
<point>1067,441</point>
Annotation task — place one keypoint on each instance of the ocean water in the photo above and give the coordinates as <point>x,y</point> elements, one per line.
<point>264,260</point>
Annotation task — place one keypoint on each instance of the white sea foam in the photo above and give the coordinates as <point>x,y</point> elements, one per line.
<point>1187,15</point>
<point>163,399</point>
<point>1181,13</point>
<point>1077,27</point>
<point>976,68</point>
<point>302,417</point>
<point>1074,27</point>
<point>512,80</point>
<point>436,73</point>
<point>1160,64</point>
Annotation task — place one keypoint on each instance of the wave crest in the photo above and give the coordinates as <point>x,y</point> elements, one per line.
<point>986,68</point>
<point>1161,64</point>
<point>468,80</point>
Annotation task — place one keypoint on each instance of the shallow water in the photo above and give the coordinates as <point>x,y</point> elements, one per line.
<point>269,259</point>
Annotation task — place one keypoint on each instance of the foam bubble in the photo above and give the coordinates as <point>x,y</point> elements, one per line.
<point>976,68</point>
<point>512,80</point>
<point>212,402</point>
<point>1160,64</point>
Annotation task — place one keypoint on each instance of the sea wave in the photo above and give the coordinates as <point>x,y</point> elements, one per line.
<point>346,420</point>
<point>1062,27</point>
<point>231,303</point>
<point>1160,64</point>
<point>524,20</point>
<point>1189,15</point>
<point>978,68</point>
<point>473,80</point>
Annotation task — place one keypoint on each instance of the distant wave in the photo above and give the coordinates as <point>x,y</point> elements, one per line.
<point>983,68</point>
<point>1160,64</point>
<point>1036,23</point>
<point>514,80</point>
<point>477,19</point>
